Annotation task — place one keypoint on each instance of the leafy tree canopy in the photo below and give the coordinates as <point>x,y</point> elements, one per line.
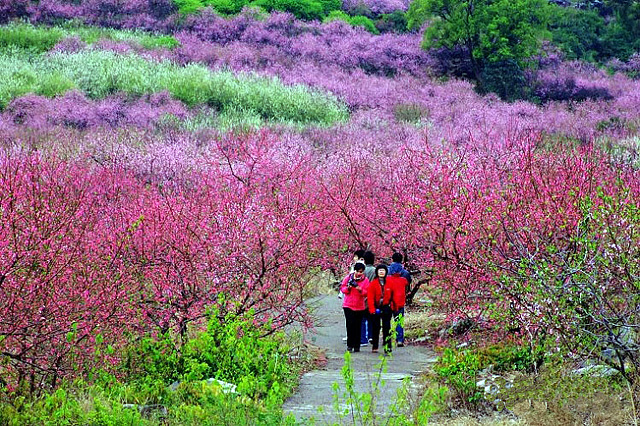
<point>579,33</point>
<point>489,30</point>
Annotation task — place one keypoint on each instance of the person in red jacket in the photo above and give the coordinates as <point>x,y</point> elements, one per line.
<point>354,287</point>
<point>399,285</point>
<point>380,295</point>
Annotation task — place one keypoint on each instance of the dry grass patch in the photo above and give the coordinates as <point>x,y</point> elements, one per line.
<point>600,409</point>
<point>469,420</point>
<point>556,396</point>
<point>421,323</point>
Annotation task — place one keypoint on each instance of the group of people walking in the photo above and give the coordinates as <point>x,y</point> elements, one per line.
<point>373,295</point>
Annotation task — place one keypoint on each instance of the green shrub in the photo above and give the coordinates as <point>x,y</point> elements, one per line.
<point>100,73</point>
<point>17,77</point>
<point>70,405</point>
<point>617,42</point>
<point>190,84</point>
<point>147,40</point>
<point>366,23</point>
<point>54,84</point>
<point>231,349</point>
<point>201,404</point>
<point>392,22</point>
<point>26,36</point>
<point>459,370</point>
<point>188,6</point>
<point>337,15</point>
<point>302,9</point>
<point>238,119</point>
<point>354,21</point>
<point>511,357</point>
<point>226,7</point>
<point>102,403</point>
<point>154,42</point>
<point>41,38</point>
<point>330,5</point>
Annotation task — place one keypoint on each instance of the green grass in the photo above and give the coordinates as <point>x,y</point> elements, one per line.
<point>193,403</point>
<point>28,37</point>
<point>100,73</point>
<point>40,39</point>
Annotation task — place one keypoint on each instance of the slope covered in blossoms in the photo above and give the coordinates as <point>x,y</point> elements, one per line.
<point>143,182</point>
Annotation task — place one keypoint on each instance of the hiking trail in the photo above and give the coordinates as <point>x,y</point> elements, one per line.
<point>316,386</point>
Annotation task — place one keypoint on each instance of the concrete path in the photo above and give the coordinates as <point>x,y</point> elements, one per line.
<point>314,401</point>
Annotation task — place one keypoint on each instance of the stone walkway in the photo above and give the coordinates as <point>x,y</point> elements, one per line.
<point>316,387</point>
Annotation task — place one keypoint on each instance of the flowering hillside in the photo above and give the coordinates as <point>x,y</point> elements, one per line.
<point>157,166</point>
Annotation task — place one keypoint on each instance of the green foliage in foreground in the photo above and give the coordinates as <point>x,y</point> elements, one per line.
<point>99,74</point>
<point>231,349</point>
<point>107,403</point>
<point>41,39</point>
<point>459,369</point>
<point>371,407</point>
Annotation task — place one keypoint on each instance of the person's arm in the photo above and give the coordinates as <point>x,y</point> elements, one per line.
<point>406,275</point>
<point>392,298</point>
<point>345,288</point>
<point>371,297</point>
<point>403,297</point>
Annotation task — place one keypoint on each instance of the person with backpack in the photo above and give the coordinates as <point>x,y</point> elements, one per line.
<point>380,296</point>
<point>354,287</point>
<point>400,279</point>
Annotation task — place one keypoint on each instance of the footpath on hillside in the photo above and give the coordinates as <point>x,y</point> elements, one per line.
<point>316,387</point>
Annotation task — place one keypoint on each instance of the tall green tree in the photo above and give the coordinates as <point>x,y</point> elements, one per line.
<point>622,38</point>
<point>489,30</point>
<point>578,32</point>
<point>627,12</point>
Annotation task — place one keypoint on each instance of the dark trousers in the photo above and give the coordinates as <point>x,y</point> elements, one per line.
<point>384,318</point>
<point>353,320</point>
<point>365,330</point>
<point>399,328</point>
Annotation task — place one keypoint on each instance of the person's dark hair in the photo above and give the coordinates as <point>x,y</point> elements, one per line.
<point>359,253</point>
<point>382,266</point>
<point>396,257</point>
<point>369,257</point>
<point>359,267</point>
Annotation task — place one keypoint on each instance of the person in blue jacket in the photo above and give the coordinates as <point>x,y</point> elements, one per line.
<point>397,269</point>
